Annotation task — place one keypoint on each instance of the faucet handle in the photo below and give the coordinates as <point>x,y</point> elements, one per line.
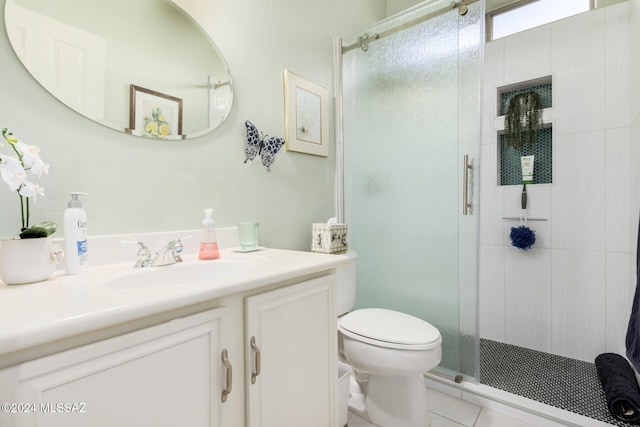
<point>143,256</point>
<point>177,247</point>
<point>176,250</point>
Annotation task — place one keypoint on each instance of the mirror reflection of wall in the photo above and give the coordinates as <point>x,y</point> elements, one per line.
<point>88,53</point>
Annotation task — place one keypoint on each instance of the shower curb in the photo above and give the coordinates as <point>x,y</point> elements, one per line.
<point>518,407</point>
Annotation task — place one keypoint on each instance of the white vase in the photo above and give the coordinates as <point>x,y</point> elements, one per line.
<point>26,260</point>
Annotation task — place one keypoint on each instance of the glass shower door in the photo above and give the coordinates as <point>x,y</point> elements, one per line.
<point>411,111</point>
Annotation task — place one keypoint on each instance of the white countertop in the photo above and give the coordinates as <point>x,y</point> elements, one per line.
<point>69,305</point>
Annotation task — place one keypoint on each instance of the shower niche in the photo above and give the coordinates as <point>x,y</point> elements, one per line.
<point>509,167</point>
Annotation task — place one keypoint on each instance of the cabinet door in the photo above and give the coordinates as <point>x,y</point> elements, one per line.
<point>292,331</point>
<point>167,375</point>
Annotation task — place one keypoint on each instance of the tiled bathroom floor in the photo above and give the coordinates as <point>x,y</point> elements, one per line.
<point>451,412</point>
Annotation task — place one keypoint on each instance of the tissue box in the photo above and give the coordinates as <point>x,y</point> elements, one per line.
<point>329,238</point>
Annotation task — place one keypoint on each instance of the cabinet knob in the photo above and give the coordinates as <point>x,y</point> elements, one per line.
<point>229,385</point>
<point>256,350</point>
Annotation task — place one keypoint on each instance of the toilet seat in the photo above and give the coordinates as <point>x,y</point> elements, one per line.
<point>389,329</point>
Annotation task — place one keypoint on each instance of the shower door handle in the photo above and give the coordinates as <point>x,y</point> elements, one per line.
<point>466,204</point>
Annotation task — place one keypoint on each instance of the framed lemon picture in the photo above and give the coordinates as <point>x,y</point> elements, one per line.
<point>154,114</point>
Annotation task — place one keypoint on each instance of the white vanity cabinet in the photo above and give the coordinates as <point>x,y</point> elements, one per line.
<point>176,372</point>
<point>167,375</point>
<point>291,356</point>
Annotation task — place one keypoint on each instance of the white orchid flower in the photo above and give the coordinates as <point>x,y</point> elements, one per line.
<point>29,189</point>
<point>31,157</point>
<point>12,172</point>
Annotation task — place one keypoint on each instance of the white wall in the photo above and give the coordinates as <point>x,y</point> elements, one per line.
<point>397,6</point>
<point>137,185</point>
<point>571,293</point>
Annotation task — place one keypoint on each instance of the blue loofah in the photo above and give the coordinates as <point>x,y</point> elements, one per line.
<point>522,237</point>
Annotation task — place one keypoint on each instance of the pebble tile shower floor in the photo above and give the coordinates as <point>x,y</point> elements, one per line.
<point>569,384</point>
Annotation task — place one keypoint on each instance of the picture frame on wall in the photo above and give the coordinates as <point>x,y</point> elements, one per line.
<point>153,114</point>
<point>306,115</point>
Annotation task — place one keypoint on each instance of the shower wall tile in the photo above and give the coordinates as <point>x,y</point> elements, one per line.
<point>527,55</point>
<point>528,298</point>
<point>578,296</point>
<point>493,76</point>
<point>617,61</point>
<point>577,59</point>
<point>491,309</point>
<point>634,40</point>
<point>634,197</point>
<point>488,130</point>
<point>493,70</point>
<point>620,292</point>
<point>618,208</point>
<point>634,185</point>
<point>491,198</point>
<point>578,194</point>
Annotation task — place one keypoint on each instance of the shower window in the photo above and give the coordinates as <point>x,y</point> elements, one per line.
<point>529,14</point>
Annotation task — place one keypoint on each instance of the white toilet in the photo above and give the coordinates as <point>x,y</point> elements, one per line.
<point>388,351</point>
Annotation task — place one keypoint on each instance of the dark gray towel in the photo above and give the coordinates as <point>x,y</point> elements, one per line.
<point>620,387</point>
<point>633,329</point>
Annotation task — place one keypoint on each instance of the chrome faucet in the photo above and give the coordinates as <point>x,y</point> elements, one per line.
<point>169,254</point>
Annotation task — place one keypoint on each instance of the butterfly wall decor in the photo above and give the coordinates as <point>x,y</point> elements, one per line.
<point>258,144</point>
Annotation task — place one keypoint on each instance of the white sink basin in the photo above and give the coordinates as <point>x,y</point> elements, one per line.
<point>180,274</point>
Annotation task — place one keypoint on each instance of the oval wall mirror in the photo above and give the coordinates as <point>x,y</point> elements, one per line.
<point>143,67</point>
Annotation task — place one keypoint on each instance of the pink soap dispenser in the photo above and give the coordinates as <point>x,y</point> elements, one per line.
<point>209,244</point>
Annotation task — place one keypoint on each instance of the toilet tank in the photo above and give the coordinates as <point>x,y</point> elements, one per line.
<point>346,287</point>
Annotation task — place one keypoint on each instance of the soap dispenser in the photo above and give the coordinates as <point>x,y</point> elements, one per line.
<point>75,236</point>
<point>209,244</point>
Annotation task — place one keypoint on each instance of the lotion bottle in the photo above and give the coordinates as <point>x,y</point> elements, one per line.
<point>208,244</point>
<point>75,236</point>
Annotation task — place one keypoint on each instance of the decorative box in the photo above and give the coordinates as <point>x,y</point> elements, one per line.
<point>329,238</point>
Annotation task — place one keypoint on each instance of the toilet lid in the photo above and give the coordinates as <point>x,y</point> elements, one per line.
<point>390,328</point>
